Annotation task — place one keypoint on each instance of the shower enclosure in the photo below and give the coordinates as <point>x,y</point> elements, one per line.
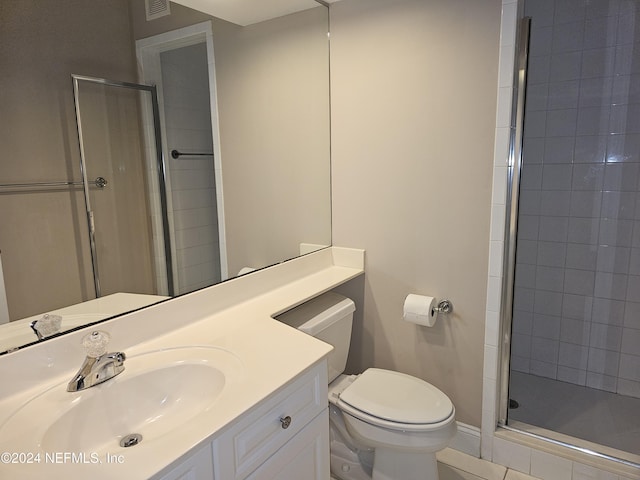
<point>124,186</point>
<point>572,285</point>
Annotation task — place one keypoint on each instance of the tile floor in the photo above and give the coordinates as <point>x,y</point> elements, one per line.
<point>594,415</point>
<point>454,465</point>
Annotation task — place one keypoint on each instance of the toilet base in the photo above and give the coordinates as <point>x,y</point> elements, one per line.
<point>395,465</point>
<point>379,464</point>
<point>346,464</point>
<point>348,461</point>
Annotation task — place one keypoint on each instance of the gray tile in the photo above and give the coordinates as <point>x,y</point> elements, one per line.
<point>583,230</point>
<point>579,282</point>
<point>549,278</point>
<point>630,341</point>
<point>608,311</point>
<point>587,176</point>
<point>602,361</point>
<point>552,254</point>
<point>557,177</point>
<point>616,232</point>
<point>546,326</point>
<point>553,229</point>
<point>580,256</point>
<point>613,259</point>
<point>548,303</point>
<point>632,315</point>
<point>610,285</point>
<point>585,204</point>
<point>577,306</point>
<point>573,356</point>
<point>557,203</point>
<point>630,367</point>
<point>575,331</point>
<point>606,337</point>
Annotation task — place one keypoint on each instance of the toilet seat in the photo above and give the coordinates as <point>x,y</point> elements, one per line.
<point>396,401</point>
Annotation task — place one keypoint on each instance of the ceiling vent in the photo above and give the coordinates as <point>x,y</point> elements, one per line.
<point>156,8</point>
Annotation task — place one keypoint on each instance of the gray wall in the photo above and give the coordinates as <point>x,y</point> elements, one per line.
<point>413,99</point>
<point>41,45</point>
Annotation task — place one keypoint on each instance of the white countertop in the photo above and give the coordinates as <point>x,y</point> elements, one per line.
<point>239,321</point>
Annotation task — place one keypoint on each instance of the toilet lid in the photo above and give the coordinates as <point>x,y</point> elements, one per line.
<point>397,397</point>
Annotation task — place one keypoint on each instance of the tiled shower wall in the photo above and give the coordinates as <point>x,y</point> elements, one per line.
<point>185,83</point>
<point>577,296</point>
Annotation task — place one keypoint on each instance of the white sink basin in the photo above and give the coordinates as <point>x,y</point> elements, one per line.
<point>159,393</point>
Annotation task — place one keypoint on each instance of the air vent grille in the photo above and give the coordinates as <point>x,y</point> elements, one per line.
<point>157,8</point>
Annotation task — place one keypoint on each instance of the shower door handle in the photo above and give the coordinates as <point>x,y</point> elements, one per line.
<point>92,223</point>
<point>100,182</point>
<point>94,252</point>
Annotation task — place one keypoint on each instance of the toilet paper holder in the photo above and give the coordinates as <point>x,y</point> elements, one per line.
<point>444,306</point>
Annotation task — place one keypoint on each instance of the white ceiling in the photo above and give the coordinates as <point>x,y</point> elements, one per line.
<point>246,12</point>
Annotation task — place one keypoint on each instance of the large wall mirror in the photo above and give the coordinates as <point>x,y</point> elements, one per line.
<point>151,149</point>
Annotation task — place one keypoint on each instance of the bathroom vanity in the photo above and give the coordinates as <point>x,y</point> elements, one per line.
<point>284,437</point>
<point>216,387</point>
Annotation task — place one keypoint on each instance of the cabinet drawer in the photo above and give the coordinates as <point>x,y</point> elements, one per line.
<point>263,431</point>
<point>305,457</point>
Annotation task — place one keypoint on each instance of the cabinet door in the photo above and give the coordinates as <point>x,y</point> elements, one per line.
<point>305,456</point>
<point>197,466</point>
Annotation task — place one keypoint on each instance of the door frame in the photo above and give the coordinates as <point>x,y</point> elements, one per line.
<point>148,52</point>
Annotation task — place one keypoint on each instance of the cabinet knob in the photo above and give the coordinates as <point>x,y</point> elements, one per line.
<point>286,421</point>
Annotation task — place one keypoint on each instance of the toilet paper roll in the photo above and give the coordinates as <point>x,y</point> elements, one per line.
<point>420,309</point>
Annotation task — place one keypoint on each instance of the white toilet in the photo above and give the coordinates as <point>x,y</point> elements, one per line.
<point>384,425</point>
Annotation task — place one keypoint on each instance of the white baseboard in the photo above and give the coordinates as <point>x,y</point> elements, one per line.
<point>467,440</point>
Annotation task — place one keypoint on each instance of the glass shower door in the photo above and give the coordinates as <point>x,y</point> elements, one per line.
<point>123,198</point>
<point>575,339</point>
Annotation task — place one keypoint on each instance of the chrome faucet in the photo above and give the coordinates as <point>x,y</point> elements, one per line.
<point>98,366</point>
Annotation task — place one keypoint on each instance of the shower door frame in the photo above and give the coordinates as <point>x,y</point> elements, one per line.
<point>160,165</point>
<point>516,125</point>
<point>511,225</point>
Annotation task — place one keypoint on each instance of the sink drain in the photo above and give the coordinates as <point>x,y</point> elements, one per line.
<point>131,440</point>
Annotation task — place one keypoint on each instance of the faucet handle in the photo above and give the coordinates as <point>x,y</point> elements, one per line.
<point>95,343</point>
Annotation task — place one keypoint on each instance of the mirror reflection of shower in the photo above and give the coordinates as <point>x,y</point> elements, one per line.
<point>575,349</point>
<point>119,139</point>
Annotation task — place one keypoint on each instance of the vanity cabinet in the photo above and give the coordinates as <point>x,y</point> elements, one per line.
<point>284,437</point>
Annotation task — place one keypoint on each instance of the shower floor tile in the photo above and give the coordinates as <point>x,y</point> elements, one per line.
<point>594,415</point>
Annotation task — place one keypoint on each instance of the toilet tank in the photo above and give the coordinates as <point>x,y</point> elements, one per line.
<point>329,318</point>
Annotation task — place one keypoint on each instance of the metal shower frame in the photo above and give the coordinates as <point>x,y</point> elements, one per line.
<point>160,165</point>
